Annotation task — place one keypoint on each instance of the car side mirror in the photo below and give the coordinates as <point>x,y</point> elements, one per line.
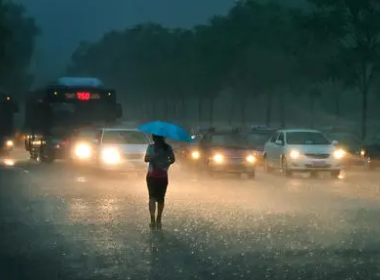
<point>279,142</point>
<point>334,142</point>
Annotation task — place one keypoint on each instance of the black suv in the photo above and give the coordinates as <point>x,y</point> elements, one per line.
<point>226,152</point>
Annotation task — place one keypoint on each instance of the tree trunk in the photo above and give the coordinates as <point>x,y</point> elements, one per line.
<point>282,109</point>
<point>232,110</point>
<point>312,101</point>
<point>364,111</point>
<point>166,109</point>
<point>200,111</point>
<point>154,109</point>
<point>242,109</point>
<point>182,108</point>
<point>367,76</point>
<point>211,111</point>
<point>173,109</point>
<point>337,109</point>
<point>269,109</point>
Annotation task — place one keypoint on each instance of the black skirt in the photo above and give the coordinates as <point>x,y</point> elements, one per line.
<point>157,188</point>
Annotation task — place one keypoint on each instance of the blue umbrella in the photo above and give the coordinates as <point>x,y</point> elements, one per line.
<point>167,130</point>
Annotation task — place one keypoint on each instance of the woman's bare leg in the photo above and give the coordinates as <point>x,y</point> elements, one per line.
<point>152,210</point>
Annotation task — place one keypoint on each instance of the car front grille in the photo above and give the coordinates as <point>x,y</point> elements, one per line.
<point>325,166</point>
<point>318,156</point>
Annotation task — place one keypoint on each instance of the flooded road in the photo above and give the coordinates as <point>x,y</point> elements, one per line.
<point>63,222</point>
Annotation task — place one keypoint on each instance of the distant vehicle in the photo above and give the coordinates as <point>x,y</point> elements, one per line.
<point>8,108</point>
<point>256,139</point>
<point>351,144</point>
<point>302,150</point>
<point>117,148</point>
<point>187,153</point>
<point>259,127</point>
<point>54,112</point>
<point>370,152</point>
<point>225,152</point>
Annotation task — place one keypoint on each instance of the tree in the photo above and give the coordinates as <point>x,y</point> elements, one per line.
<point>263,36</point>
<point>17,45</point>
<point>258,50</point>
<point>353,27</point>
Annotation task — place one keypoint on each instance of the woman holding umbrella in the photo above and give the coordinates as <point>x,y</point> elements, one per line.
<point>159,156</point>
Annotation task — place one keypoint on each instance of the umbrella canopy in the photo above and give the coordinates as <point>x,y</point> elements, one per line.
<point>167,130</point>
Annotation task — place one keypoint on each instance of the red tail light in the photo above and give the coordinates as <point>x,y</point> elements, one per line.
<point>64,143</point>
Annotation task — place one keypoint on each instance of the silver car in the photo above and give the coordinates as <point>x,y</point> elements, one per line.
<point>119,149</point>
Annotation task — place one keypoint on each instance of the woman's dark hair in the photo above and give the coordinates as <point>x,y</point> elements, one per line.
<point>159,142</point>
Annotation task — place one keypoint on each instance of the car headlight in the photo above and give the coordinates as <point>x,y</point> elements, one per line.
<point>294,154</point>
<point>83,151</point>
<point>111,156</point>
<point>362,153</point>
<point>250,159</point>
<point>218,158</point>
<point>9,143</point>
<point>339,154</point>
<point>195,155</point>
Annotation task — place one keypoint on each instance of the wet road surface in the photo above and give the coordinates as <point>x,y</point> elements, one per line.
<point>61,222</point>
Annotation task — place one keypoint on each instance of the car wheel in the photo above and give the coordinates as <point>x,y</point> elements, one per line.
<point>251,175</point>
<point>284,168</point>
<point>335,174</point>
<point>267,167</point>
<point>314,174</point>
<point>46,156</point>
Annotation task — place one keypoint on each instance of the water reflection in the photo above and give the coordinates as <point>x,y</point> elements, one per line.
<point>8,162</point>
<point>98,211</point>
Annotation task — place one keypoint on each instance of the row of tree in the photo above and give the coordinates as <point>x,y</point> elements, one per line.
<point>267,50</point>
<point>17,39</point>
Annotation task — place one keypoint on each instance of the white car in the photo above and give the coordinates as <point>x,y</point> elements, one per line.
<point>300,150</point>
<point>119,149</point>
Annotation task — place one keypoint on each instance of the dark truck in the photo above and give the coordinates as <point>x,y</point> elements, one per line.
<point>8,109</point>
<point>55,112</point>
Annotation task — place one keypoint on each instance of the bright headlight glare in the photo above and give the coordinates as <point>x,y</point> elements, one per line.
<point>195,155</point>
<point>111,156</point>
<point>218,158</point>
<point>362,153</point>
<point>294,154</point>
<point>9,143</point>
<point>83,151</point>
<point>250,159</point>
<point>338,154</point>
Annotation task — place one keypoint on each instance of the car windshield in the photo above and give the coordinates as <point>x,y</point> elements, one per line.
<point>345,139</point>
<point>124,137</point>
<point>227,139</point>
<point>306,138</point>
<point>258,139</point>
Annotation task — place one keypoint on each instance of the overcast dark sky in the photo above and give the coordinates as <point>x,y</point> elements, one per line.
<point>65,23</point>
